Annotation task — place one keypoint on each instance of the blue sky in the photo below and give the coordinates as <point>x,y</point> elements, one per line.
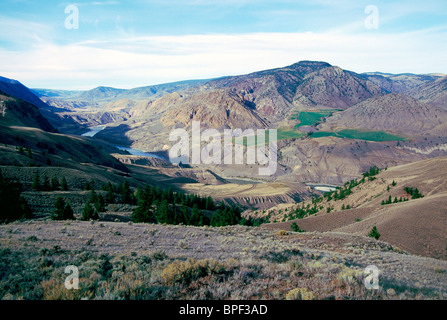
<point>127,44</point>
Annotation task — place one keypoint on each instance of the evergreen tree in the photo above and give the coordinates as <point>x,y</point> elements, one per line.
<point>62,210</point>
<point>225,216</point>
<point>182,217</point>
<point>46,184</point>
<point>54,184</point>
<point>68,212</point>
<point>374,233</point>
<point>209,203</point>
<point>162,212</point>
<point>64,185</point>
<point>110,196</point>
<point>92,184</point>
<point>295,227</point>
<point>36,182</point>
<point>89,213</point>
<point>143,212</point>
<point>125,192</point>
<point>13,205</point>
<point>97,200</point>
<point>197,217</point>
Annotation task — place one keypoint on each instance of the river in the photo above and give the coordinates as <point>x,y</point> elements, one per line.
<point>94,130</point>
<point>322,187</point>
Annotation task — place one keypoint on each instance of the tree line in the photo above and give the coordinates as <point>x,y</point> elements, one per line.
<point>339,193</point>
<point>156,205</point>
<point>153,204</point>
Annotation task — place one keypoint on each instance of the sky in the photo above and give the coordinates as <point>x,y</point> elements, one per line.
<point>126,44</point>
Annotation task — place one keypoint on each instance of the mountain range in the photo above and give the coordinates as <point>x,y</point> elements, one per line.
<point>403,116</point>
<point>333,125</point>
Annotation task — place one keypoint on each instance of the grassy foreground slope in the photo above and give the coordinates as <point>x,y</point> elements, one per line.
<point>118,260</point>
<point>417,226</point>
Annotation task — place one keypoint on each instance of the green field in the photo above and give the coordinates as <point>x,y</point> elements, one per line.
<point>359,134</point>
<point>309,118</point>
<point>282,134</point>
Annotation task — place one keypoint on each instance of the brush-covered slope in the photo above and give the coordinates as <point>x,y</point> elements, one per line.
<point>65,150</point>
<point>394,113</point>
<point>434,92</point>
<point>15,89</point>
<point>417,225</point>
<point>303,84</point>
<point>16,112</point>
<point>400,83</point>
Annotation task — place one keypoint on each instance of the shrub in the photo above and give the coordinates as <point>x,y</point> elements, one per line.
<point>55,290</point>
<point>300,294</point>
<point>185,272</point>
<point>349,276</point>
<point>159,255</point>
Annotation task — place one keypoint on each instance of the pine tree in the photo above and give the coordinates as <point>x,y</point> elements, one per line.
<point>36,182</point>
<point>64,185</point>
<point>162,212</point>
<point>68,212</point>
<point>110,196</point>
<point>295,227</point>
<point>183,215</point>
<point>196,218</point>
<point>374,233</point>
<point>126,193</point>
<point>46,184</point>
<point>13,205</point>
<point>100,204</point>
<point>143,212</point>
<point>92,184</point>
<point>54,184</point>
<point>62,210</point>
<point>89,213</point>
<point>209,203</point>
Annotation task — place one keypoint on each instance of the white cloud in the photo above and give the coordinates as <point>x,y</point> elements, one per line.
<point>140,61</point>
